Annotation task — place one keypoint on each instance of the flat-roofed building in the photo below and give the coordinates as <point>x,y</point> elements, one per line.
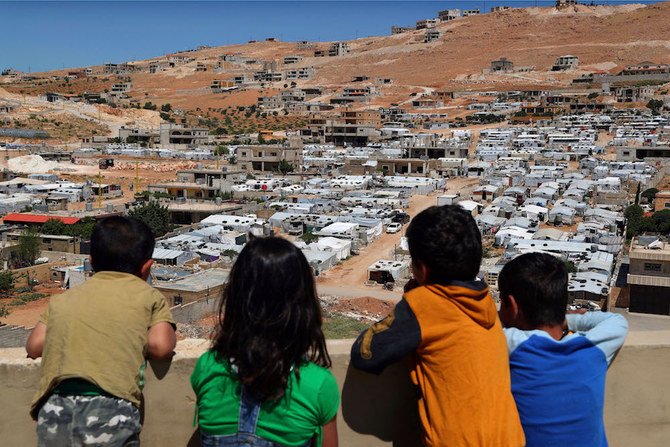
<point>649,275</point>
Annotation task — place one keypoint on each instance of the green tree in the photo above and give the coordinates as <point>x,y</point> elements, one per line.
<point>29,247</point>
<point>221,150</point>
<point>232,160</point>
<point>570,266</point>
<point>82,229</point>
<point>593,95</point>
<point>633,215</point>
<point>655,105</point>
<point>6,281</point>
<point>309,237</point>
<point>155,216</point>
<point>53,226</point>
<point>285,167</point>
<point>649,194</point>
<point>166,107</point>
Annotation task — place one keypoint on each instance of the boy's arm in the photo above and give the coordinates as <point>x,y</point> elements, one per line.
<point>387,341</point>
<point>606,330</point>
<point>38,336</point>
<point>161,341</point>
<point>36,340</point>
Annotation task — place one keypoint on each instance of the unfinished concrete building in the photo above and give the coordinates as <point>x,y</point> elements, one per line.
<point>175,136</point>
<point>401,29</point>
<point>449,14</point>
<point>427,23</point>
<point>502,65</point>
<point>567,62</point>
<point>268,158</point>
<point>338,49</point>
<point>431,36</point>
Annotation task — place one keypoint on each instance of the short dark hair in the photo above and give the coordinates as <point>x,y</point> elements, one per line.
<point>447,241</point>
<point>270,317</point>
<point>121,244</point>
<point>539,284</point>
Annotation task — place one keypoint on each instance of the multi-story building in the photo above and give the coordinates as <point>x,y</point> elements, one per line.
<point>502,64</point>
<point>174,135</point>
<point>431,35</point>
<point>121,87</point>
<point>427,23</point>
<point>222,85</point>
<point>567,62</point>
<point>633,94</point>
<point>268,158</point>
<point>449,14</point>
<point>338,49</point>
<point>401,29</point>
<point>352,128</point>
<point>300,73</point>
<point>292,59</point>
<point>649,275</point>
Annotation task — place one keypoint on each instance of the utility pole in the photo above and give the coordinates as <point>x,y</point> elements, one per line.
<point>99,190</point>
<point>137,177</point>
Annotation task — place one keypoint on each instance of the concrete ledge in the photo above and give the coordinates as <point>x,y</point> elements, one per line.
<point>375,410</point>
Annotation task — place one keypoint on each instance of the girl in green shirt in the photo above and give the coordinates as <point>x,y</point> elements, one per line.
<point>265,382</point>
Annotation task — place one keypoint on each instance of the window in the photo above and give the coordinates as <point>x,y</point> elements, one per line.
<point>626,153</point>
<point>652,267</point>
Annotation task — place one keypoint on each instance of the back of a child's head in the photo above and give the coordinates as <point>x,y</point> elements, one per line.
<point>121,244</point>
<point>270,316</point>
<point>539,284</point>
<point>446,240</point>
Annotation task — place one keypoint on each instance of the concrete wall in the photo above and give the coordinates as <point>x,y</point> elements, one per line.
<point>375,411</point>
<point>192,312</point>
<point>13,336</point>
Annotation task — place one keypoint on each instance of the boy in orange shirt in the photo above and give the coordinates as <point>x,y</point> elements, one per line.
<point>449,326</point>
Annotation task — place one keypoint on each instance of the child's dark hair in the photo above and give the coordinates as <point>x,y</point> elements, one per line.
<point>121,244</point>
<point>539,284</point>
<point>270,317</point>
<point>447,241</point>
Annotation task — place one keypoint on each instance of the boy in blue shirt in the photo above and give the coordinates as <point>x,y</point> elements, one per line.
<point>558,362</point>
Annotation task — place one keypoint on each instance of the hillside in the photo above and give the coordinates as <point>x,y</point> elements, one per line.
<point>605,38</point>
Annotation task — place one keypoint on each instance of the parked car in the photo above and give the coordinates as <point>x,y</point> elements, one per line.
<point>393,227</point>
<point>401,218</point>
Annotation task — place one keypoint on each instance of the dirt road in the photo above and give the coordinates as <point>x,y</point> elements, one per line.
<point>348,278</point>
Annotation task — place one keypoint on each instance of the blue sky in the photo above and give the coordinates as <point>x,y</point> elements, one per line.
<point>48,35</point>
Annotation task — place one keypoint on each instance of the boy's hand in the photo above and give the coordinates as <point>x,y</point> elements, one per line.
<point>36,340</point>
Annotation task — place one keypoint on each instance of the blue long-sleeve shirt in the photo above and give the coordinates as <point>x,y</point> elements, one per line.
<point>559,385</point>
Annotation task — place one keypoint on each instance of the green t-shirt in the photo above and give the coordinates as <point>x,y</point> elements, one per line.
<point>98,332</point>
<point>311,403</point>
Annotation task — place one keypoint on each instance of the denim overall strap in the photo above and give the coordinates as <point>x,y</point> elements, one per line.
<point>250,408</point>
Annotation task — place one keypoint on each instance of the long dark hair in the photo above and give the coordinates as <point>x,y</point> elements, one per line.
<point>270,317</point>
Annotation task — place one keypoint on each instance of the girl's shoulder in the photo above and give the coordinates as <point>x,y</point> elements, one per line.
<point>210,360</point>
<point>315,373</point>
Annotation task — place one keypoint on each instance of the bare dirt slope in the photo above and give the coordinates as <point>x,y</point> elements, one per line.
<point>605,38</point>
